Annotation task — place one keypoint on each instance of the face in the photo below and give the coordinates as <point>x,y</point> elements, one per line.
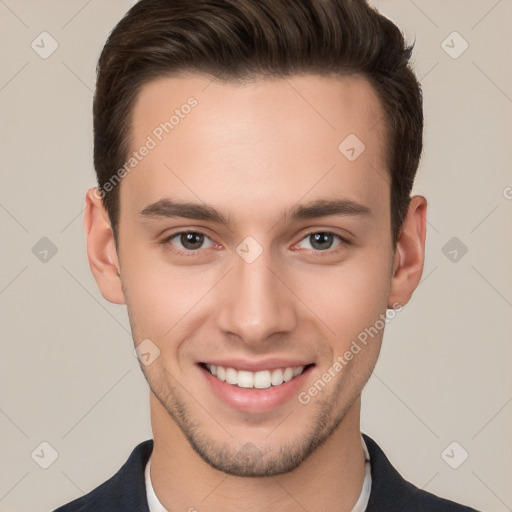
<point>252,247</point>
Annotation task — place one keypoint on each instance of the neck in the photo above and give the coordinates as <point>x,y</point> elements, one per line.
<point>182,480</point>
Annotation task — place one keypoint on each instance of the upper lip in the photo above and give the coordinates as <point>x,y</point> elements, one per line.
<point>253,365</point>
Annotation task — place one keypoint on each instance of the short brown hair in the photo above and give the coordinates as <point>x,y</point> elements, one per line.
<point>235,40</point>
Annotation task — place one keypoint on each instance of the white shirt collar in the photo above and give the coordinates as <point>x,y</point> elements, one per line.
<point>360,506</point>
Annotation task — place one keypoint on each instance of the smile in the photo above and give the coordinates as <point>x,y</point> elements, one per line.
<point>259,380</point>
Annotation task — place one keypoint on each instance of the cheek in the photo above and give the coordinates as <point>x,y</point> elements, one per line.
<point>160,296</point>
<point>349,298</point>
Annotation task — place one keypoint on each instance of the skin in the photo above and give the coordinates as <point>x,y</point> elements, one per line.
<point>253,151</point>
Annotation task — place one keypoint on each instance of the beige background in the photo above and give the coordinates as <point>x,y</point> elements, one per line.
<point>68,374</point>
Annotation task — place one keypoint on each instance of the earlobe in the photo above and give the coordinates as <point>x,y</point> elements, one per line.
<point>101,250</point>
<point>409,254</point>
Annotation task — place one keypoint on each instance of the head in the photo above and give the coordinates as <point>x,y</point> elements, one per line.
<point>255,161</point>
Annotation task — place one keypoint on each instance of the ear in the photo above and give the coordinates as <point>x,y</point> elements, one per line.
<point>409,253</point>
<point>101,250</point>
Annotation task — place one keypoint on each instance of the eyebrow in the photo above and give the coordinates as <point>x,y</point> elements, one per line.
<point>167,208</point>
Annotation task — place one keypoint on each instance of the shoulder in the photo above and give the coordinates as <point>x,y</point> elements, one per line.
<point>98,499</point>
<point>391,492</point>
<point>125,490</point>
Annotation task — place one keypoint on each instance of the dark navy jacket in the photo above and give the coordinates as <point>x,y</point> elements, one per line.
<point>126,490</point>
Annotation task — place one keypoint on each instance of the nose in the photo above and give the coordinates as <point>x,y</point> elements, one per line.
<point>256,302</point>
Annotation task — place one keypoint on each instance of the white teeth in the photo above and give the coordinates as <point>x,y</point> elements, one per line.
<point>259,380</point>
<point>245,379</point>
<point>277,377</point>
<point>221,372</point>
<point>231,376</point>
<point>262,379</point>
<point>288,374</point>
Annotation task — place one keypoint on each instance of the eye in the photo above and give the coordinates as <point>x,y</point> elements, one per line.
<point>322,240</point>
<point>188,241</point>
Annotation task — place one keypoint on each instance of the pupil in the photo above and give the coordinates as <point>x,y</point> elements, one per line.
<point>191,239</point>
<point>322,240</point>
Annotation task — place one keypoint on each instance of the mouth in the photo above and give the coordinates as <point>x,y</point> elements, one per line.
<point>250,386</point>
<point>260,379</point>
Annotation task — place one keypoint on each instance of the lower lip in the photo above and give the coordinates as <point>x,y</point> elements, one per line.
<point>252,399</point>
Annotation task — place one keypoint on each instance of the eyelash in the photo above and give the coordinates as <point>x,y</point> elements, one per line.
<point>188,252</point>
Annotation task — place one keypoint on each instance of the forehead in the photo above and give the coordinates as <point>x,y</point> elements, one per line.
<point>257,141</point>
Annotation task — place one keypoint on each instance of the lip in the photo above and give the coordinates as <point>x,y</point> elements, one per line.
<point>256,400</point>
<point>255,366</point>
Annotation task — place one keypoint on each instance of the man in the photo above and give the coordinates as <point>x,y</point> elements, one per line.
<point>255,160</point>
